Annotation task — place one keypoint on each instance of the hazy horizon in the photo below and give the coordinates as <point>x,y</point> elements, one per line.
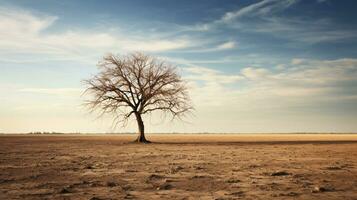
<point>179,133</point>
<point>257,66</point>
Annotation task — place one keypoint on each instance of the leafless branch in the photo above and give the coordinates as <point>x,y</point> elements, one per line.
<point>137,84</point>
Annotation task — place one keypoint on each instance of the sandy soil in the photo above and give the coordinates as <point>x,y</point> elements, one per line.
<point>179,167</point>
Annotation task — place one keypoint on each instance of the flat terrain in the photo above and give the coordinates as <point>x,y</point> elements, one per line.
<point>245,166</point>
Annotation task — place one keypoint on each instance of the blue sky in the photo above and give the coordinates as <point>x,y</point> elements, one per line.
<point>252,66</point>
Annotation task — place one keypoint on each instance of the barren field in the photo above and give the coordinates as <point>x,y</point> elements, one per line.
<point>274,166</point>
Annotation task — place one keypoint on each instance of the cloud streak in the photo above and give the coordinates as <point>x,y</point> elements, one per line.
<point>270,17</point>
<point>22,32</point>
<point>262,8</point>
<point>303,83</point>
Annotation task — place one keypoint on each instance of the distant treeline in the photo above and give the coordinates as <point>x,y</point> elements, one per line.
<point>47,133</point>
<point>59,133</point>
<point>203,133</point>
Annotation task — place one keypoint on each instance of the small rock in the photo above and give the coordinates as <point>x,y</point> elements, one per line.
<point>111,184</point>
<point>129,196</point>
<point>197,176</point>
<point>164,187</point>
<point>168,181</point>
<point>6,180</point>
<point>232,180</point>
<point>84,182</point>
<point>334,168</point>
<point>321,189</point>
<point>95,198</point>
<point>126,188</point>
<point>131,170</point>
<point>89,167</point>
<point>33,176</point>
<point>65,191</point>
<point>239,193</point>
<point>280,173</point>
<point>155,176</point>
<point>175,169</point>
<point>290,194</point>
<point>95,184</point>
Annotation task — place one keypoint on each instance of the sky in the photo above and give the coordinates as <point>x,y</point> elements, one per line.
<point>252,66</point>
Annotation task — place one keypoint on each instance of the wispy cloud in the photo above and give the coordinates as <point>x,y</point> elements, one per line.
<point>233,78</point>
<point>23,32</point>
<point>53,91</point>
<point>210,75</point>
<point>262,8</point>
<point>303,83</point>
<point>227,45</point>
<point>271,17</point>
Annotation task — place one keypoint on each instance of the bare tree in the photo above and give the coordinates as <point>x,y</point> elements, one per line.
<point>137,84</point>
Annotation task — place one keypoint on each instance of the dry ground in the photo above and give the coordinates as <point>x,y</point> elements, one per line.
<point>189,167</point>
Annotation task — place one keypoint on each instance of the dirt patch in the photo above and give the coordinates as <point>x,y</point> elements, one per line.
<point>178,167</point>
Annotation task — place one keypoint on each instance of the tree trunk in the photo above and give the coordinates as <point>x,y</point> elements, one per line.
<point>141,137</point>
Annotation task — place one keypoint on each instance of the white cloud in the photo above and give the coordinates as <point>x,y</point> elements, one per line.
<point>252,91</point>
<point>305,30</point>
<point>25,33</point>
<point>253,99</point>
<point>314,95</point>
<point>265,17</point>
<point>221,47</point>
<point>210,75</point>
<point>297,61</point>
<point>227,45</point>
<point>261,8</point>
<point>301,84</point>
<point>255,73</point>
<point>18,22</point>
<point>53,91</point>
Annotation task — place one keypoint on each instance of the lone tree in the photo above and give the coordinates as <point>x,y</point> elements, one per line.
<point>137,84</point>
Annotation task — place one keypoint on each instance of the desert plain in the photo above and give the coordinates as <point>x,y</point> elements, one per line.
<point>179,166</point>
